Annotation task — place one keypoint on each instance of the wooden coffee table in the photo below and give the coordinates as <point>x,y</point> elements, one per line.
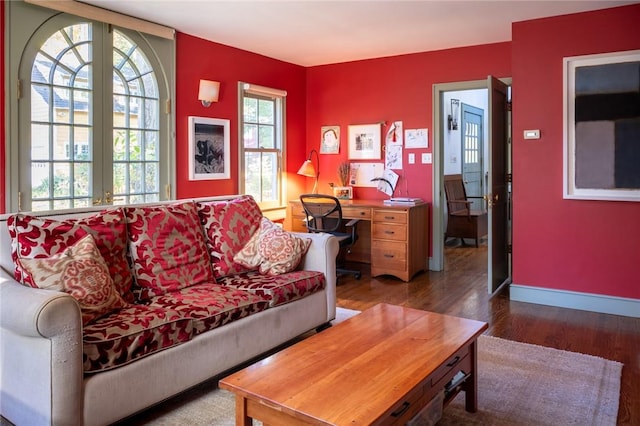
<point>379,367</point>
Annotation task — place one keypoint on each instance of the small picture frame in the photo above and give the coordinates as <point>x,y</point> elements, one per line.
<point>209,151</point>
<point>343,192</point>
<point>365,142</point>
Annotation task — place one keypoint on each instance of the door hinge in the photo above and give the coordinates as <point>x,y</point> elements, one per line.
<point>19,89</point>
<point>19,201</point>
<point>167,191</point>
<point>168,106</point>
<point>509,105</point>
<point>509,177</point>
<point>509,248</point>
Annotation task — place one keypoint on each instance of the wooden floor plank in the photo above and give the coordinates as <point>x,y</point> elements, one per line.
<point>461,290</point>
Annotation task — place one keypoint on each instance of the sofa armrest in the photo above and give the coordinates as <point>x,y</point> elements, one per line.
<point>321,257</point>
<point>40,355</point>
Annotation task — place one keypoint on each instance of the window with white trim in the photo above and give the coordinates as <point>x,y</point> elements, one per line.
<point>262,144</point>
<point>90,115</point>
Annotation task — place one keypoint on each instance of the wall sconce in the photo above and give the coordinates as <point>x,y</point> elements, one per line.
<point>453,117</point>
<point>208,92</point>
<point>309,170</point>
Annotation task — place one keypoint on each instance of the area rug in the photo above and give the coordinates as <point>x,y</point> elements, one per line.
<point>518,384</point>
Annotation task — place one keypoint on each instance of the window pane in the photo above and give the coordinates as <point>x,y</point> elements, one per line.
<point>61,105</point>
<point>151,114</point>
<point>135,150</point>
<point>266,112</point>
<point>267,137</point>
<point>61,204</point>
<point>81,105</point>
<point>269,177</point>
<point>38,206</point>
<point>62,149</point>
<point>119,145</point>
<point>151,177</point>
<point>252,171</point>
<point>81,179</point>
<point>135,178</point>
<point>250,110</point>
<point>39,142</point>
<point>151,146</point>
<point>62,179</point>
<point>40,181</point>
<point>40,101</point>
<point>81,144</point>
<point>250,136</point>
<point>119,178</point>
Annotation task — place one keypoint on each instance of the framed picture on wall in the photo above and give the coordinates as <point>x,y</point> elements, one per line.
<point>209,151</point>
<point>330,140</point>
<point>602,126</point>
<point>365,142</point>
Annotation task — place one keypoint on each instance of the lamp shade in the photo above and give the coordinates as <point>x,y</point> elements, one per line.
<point>307,169</point>
<point>208,92</point>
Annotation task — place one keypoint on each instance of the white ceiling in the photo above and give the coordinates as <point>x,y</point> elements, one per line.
<point>316,32</point>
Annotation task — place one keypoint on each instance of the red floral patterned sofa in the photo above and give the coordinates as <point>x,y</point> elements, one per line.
<point>105,313</point>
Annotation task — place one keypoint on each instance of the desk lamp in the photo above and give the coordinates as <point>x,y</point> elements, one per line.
<point>309,170</point>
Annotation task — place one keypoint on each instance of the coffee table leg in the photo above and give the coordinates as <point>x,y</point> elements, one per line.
<point>470,385</point>
<point>241,412</point>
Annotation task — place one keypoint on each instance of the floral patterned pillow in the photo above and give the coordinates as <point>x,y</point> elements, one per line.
<point>167,248</point>
<point>228,226</point>
<point>35,237</point>
<point>80,271</point>
<point>273,250</point>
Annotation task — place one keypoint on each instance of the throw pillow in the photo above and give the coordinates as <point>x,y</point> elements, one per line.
<point>273,250</point>
<point>80,271</point>
<point>37,237</point>
<point>167,248</point>
<point>228,226</point>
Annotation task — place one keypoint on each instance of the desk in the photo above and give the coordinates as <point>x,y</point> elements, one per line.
<point>393,239</point>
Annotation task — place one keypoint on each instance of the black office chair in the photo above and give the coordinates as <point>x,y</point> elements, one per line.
<point>324,214</point>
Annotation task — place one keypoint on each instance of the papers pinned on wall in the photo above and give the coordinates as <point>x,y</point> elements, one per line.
<point>387,182</point>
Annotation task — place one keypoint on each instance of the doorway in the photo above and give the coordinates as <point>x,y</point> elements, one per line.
<point>488,96</point>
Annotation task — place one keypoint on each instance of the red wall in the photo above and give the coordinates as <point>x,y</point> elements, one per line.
<point>391,89</point>
<point>201,59</point>
<point>583,246</point>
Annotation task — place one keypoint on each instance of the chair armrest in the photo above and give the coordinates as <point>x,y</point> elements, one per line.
<point>352,222</point>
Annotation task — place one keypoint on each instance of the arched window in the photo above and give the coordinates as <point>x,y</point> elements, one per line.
<point>91,127</point>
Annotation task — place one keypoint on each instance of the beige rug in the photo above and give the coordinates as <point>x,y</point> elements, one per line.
<point>518,384</point>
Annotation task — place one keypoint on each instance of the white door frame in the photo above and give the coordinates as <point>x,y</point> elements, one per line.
<point>436,261</point>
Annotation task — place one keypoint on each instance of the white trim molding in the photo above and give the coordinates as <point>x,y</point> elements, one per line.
<point>574,300</point>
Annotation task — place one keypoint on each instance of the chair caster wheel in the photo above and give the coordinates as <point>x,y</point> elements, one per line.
<point>358,276</point>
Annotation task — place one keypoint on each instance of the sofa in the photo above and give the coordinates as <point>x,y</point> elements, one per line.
<point>104,313</point>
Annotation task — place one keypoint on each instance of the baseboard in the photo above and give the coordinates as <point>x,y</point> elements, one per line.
<point>574,300</point>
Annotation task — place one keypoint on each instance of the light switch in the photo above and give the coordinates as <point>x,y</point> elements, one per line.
<point>427,158</point>
<point>532,134</point>
<point>412,158</point>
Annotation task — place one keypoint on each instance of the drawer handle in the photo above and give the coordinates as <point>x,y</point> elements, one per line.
<point>389,255</point>
<point>389,217</point>
<point>389,232</point>
<point>405,407</point>
<point>454,361</point>
<point>362,213</point>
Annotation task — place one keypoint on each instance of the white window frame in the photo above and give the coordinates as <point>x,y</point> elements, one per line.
<point>279,97</point>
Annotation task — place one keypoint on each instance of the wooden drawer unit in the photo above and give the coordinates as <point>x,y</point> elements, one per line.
<point>399,241</point>
<point>389,255</point>
<point>352,212</point>
<point>389,231</point>
<point>390,216</point>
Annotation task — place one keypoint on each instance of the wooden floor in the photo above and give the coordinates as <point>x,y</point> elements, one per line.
<point>461,290</point>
